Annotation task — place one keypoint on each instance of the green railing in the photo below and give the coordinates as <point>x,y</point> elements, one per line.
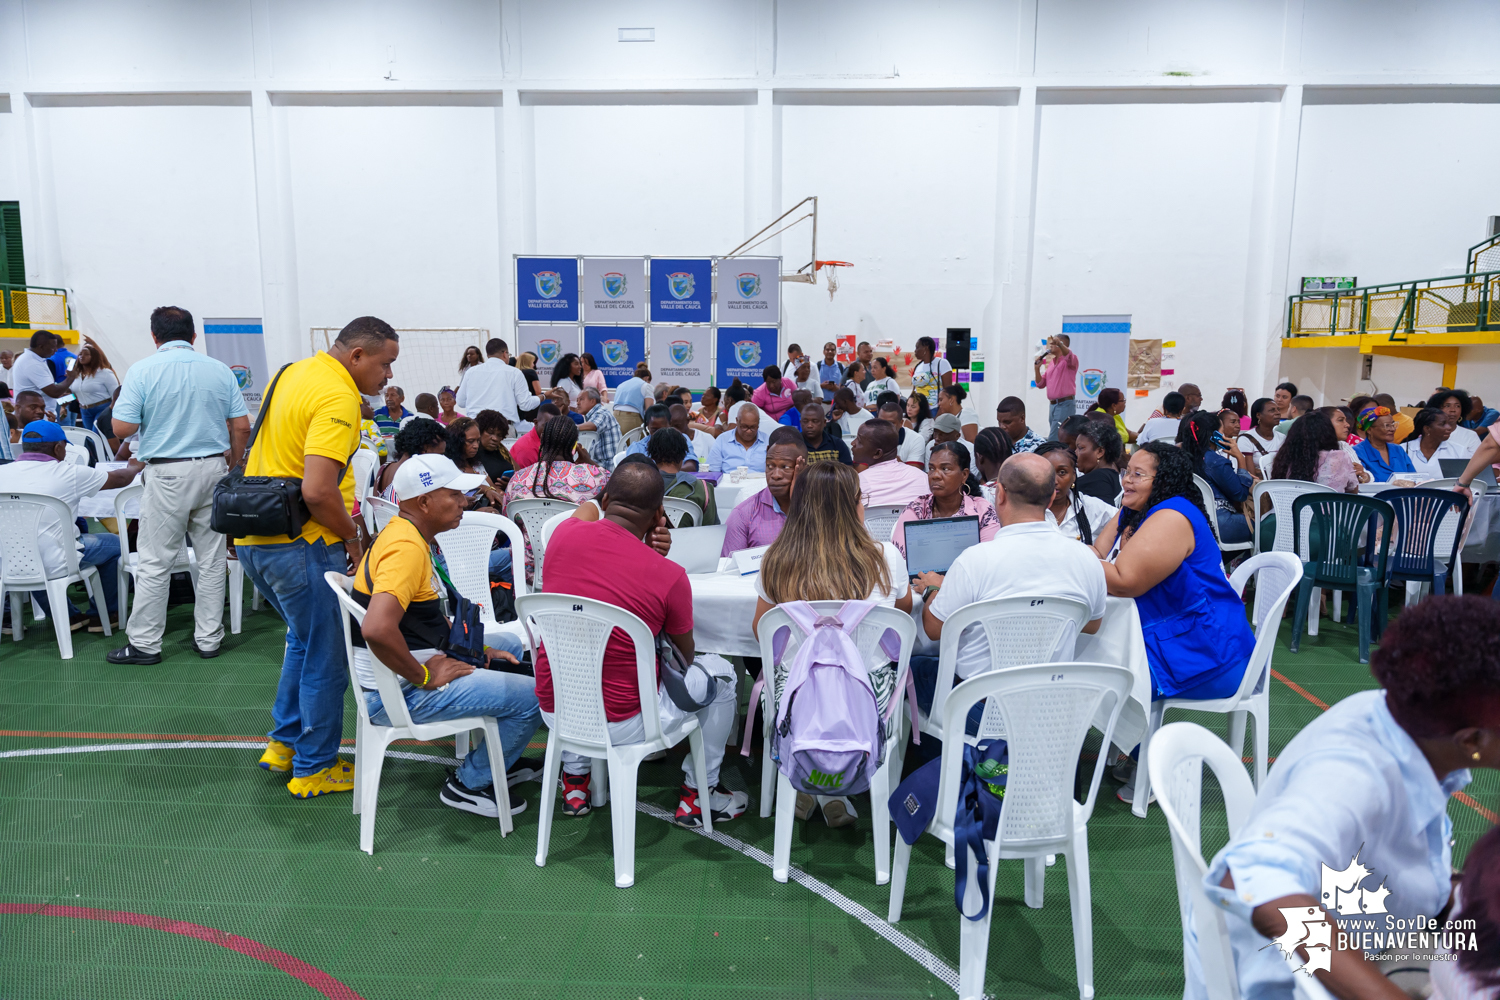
<point>1458,303</point>
<point>1485,255</point>
<point>34,307</point>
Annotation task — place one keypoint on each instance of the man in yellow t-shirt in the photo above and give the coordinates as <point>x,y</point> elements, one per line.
<point>399,584</point>
<point>309,431</point>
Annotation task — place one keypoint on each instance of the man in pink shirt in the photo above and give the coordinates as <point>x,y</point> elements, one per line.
<point>1060,380</point>
<point>772,395</point>
<point>886,481</point>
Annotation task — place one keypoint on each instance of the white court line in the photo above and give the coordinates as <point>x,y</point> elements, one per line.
<point>913,949</point>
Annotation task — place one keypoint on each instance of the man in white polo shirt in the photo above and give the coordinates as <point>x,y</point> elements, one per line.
<point>32,373</point>
<point>496,385</point>
<point>1027,558</point>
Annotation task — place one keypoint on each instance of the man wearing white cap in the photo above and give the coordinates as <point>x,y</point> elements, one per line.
<point>400,582</point>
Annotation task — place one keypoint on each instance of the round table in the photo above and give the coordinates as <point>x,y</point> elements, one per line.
<point>729,494</point>
<point>102,504</point>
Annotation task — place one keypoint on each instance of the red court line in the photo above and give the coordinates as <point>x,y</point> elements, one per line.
<point>1467,800</point>
<point>292,966</point>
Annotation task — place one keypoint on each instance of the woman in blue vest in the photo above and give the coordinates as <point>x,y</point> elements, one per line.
<point>1162,552</point>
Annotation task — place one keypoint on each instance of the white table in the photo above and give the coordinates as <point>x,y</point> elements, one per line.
<point>723,608</point>
<point>102,504</point>
<point>728,495</point>
<point>1120,641</point>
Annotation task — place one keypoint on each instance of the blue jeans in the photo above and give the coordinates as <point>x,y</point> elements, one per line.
<point>102,551</point>
<point>1233,527</point>
<point>509,698</point>
<point>500,566</point>
<point>91,418</point>
<point>1057,412</point>
<point>924,678</point>
<point>308,714</point>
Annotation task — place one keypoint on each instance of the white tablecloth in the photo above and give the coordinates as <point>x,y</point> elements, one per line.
<point>1483,544</point>
<point>723,608</point>
<point>728,495</point>
<point>1120,641</point>
<point>102,504</point>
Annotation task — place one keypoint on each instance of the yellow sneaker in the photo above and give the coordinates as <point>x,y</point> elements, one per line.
<point>278,757</point>
<point>334,778</point>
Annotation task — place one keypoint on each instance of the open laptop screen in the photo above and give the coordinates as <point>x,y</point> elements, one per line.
<point>931,546</point>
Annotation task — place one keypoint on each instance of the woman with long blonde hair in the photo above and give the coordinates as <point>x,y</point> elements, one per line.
<point>825,553</point>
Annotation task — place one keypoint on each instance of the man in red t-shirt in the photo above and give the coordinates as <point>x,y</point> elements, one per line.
<point>605,558</point>
<point>528,447</point>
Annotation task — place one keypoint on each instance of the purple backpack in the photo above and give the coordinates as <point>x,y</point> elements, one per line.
<point>829,737</point>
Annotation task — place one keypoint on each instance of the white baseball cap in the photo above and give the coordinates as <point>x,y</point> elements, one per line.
<point>425,473</point>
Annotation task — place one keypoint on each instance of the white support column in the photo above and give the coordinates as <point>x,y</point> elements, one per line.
<point>1266,293</point>
<point>286,337</point>
<point>1005,333</point>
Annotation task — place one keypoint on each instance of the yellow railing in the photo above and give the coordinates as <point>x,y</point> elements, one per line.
<point>39,309</point>
<point>1436,305</point>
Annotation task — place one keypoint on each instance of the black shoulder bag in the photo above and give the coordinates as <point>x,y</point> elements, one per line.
<point>260,505</point>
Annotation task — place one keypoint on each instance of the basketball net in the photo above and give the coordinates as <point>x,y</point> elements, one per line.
<point>833,273</point>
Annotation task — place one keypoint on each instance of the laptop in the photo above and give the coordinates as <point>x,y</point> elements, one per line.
<point>932,546</point>
<point>1454,467</point>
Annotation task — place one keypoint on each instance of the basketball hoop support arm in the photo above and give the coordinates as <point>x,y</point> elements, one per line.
<point>811,277</point>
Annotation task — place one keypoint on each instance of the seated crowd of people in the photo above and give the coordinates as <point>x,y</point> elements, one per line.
<point>1082,508</point>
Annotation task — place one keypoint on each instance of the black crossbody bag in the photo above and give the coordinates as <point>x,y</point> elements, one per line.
<point>260,505</point>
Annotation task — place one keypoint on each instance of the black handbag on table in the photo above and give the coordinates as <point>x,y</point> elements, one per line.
<point>260,505</point>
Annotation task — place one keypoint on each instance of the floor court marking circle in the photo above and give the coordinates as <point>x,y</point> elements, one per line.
<point>908,945</point>
<point>290,964</point>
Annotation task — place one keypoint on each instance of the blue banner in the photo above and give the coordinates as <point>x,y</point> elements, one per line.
<point>681,290</point>
<point>744,352</point>
<point>547,289</point>
<point>616,350</point>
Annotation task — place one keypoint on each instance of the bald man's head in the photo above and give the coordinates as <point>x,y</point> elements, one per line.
<point>1027,483</point>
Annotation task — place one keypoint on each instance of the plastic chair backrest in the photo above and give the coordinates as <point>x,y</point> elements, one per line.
<point>881,520</point>
<point>1478,487</point>
<point>1422,516</point>
<point>531,513</point>
<point>381,510</point>
<point>1342,519</point>
<point>633,435</point>
<point>82,435</point>
<point>1179,752</point>
<point>678,509</point>
<point>386,682</point>
<point>362,466</point>
<point>466,550</point>
<point>21,534</point>
<point>1210,504</point>
<point>575,631</point>
<point>1048,709</point>
<point>867,636</point>
<point>697,549</point>
<point>1019,631</point>
<point>1282,492</point>
<point>1277,575</point>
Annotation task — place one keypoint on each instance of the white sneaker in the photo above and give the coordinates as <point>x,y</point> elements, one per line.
<point>838,810</point>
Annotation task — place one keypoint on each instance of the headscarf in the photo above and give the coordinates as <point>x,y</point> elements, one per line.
<point>1370,414</point>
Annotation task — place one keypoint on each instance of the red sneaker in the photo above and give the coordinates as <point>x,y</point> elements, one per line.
<point>575,794</point>
<point>726,805</point>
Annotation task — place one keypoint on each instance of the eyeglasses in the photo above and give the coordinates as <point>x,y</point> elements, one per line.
<point>1135,475</point>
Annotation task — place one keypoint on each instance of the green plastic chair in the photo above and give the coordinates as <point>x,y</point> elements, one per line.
<point>1340,523</point>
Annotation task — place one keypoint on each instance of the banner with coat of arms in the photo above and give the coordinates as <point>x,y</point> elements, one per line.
<point>616,350</point>
<point>548,343</point>
<point>614,290</point>
<point>547,289</point>
<point>682,356</point>
<point>749,289</point>
<point>1102,344</point>
<point>240,344</point>
<point>681,290</point>
<point>744,352</point>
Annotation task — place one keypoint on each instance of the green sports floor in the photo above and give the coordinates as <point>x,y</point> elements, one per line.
<point>145,855</point>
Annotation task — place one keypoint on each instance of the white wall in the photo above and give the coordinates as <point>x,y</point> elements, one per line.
<point>985,163</point>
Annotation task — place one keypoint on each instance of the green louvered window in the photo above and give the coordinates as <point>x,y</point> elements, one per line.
<point>12,253</point>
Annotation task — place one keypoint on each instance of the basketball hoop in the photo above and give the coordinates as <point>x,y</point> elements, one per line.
<point>833,273</point>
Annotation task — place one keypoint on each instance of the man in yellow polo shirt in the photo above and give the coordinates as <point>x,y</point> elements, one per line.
<point>310,432</point>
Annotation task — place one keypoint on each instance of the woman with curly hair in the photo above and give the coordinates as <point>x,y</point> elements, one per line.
<point>1162,552</point>
<point>1368,782</point>
<point>1453,402</point>
<point>420,437</point>
<point>1098,449</point>
<point>1231,487</point>
<point>1311,452</point>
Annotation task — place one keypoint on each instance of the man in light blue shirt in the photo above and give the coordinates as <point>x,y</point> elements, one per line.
<point>745,448</point>
<point>630,399</point>
<point>190,414</point>
<point>830,372</point>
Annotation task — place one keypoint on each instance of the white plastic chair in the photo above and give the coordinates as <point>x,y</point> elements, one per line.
<point>880,521</point>
<point>1179,752</point>
<point>630,437</point>
<point>22,569</point>
<point>80,435</point>
<point>531,513</point>
<point>237,594</point>
<point>362,466</point>
<point>378,513</point>
<point>575,631</point>
<point>1047,710</point>
<point>1446,530</point>
<point>867,637</point>
<point>1020,631</point>
<point>1277,576</point>
<point>186,562</point>
<point>76,454</point>
<point>1211,505</point>
<point>678,508</point>
<point>1282,493</point>
<point>371,741</point>
<point>697,549</point>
